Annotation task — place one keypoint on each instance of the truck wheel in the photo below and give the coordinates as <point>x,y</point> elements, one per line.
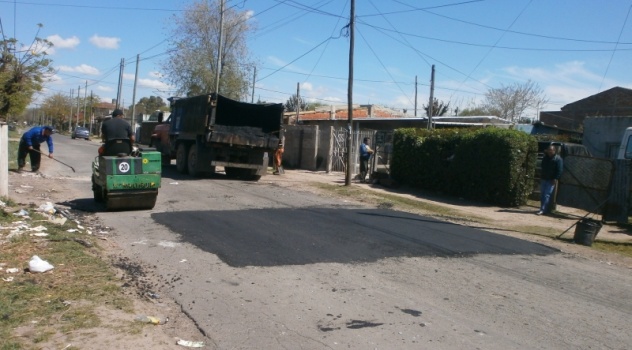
<point>192,162</point>
<point>181,158</point>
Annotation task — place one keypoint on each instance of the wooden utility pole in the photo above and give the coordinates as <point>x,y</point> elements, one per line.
<point>298,102</point>
<point>85,101</point>
<point>72,94</point>
<point>120,84</point>
<point>134,95</point>
<point>91,112</point>
<point>78,104</point>
<point>431,103</point>
<point>415,95</point>
<point>219,46</point>
<point>350,96</point>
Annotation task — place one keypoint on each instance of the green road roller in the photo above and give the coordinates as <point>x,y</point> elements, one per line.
<point>127,181</point>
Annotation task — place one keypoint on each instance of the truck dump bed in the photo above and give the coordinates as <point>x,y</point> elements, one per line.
<point>229,121</point>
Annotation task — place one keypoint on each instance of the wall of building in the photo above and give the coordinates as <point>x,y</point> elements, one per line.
<point>301,147</point>
<point>602,135</point>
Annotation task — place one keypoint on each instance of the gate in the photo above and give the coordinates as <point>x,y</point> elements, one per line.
<point>585,183</point>
<point>339,149</point>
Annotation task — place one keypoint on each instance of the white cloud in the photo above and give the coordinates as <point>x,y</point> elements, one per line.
<point>104,88</point>
<point>148,83</point>
<point>307,86</point>
<point>104,42</point>
<point>155,74</point>
<point>153,84</point>
<point>83,69</point>
<point>61,43</point>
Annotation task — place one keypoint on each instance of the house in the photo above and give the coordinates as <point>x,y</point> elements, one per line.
<point>614,102</point>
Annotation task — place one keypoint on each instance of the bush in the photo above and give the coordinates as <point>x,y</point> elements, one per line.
<point>491,165</point>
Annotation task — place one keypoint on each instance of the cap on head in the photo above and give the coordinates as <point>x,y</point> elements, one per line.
<point>49,128</point>
<point>117,112</point>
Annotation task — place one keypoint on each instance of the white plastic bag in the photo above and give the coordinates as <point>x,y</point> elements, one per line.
<point>47,208</point>
<point>38,265</point>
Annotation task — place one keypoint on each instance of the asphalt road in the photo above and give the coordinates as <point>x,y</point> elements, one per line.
<point>258,266</point>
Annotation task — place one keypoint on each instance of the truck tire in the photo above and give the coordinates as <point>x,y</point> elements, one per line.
<point>181,158</point>
<point>192,162</point>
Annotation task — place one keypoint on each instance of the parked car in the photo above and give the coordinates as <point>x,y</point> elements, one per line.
<point>81,133</point>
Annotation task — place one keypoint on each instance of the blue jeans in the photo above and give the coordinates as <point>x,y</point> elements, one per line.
<point>547,188</point>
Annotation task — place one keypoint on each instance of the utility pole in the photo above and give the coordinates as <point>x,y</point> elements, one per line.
<point>120,84</point>
<point>298,102</point>
<point>219,47</point>
<point>431,104</point>
<point>91,113</point>
<point>72,93</point>
<point>254,79</point>
<point>85,101</point>
<point>78,105</point>
<point>415,95</point>
<point>350,95</point>
<point>134,95</point>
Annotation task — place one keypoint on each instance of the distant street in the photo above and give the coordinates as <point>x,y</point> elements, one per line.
<point>258,266</point>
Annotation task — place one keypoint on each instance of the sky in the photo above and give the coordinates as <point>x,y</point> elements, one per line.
<point>571,48</point>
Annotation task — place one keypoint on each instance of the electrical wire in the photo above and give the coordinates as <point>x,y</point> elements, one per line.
<point>510,31</point>
<point>383,66</point>
<point>615,47</point>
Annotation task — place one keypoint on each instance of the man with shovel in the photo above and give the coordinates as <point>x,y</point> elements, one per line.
<point>30,144</point>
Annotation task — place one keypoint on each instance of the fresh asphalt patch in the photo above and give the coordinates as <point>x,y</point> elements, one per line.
<point>276,237</point>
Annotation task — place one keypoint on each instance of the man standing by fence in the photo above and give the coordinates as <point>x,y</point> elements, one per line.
<point>552,166</point>
<point>365,155</point>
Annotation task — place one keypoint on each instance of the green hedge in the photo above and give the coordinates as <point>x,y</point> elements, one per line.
<point>490,164</point>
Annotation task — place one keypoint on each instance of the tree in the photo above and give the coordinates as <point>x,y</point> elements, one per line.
<point>23,71</point>
<point>57,107</point>
<point>438,108</point>
<point>148,105</point>
<point>511,101</point>
<point>194,39</point>
<point>292,103</point>
<point>475,111</point>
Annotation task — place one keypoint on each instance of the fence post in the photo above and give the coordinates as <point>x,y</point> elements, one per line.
<point>4,159</point>
<point>330,153</point>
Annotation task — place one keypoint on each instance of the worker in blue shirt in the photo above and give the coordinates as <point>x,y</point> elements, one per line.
<point>365,155</point>
<point>30,144</point>
<point>552,167</point>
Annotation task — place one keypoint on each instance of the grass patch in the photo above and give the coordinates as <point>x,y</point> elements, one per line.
<point>537,230</point>
<point>395,202</point>
<point>613,247</point>
<point>59,301</point>
<point>13,154</point>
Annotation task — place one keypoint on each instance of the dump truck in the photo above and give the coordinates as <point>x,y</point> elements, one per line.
<point>128,180</point>
<point>209,131</point>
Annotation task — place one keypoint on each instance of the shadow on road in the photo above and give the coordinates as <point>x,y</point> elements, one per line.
<point>275,237</point>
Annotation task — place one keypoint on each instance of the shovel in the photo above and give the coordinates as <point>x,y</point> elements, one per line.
<point>55,159</point>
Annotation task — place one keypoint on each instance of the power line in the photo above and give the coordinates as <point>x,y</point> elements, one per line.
<point>383,66</point>
<point>511,31</point>
<point>490,46</point>
<point>497,41</point>
<point>91,6</point>
<point>615,47</point>
<point>419,9</point>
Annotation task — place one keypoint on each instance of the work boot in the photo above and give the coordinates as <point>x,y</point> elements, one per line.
<point>34,169</point>
<point>20,170</point>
